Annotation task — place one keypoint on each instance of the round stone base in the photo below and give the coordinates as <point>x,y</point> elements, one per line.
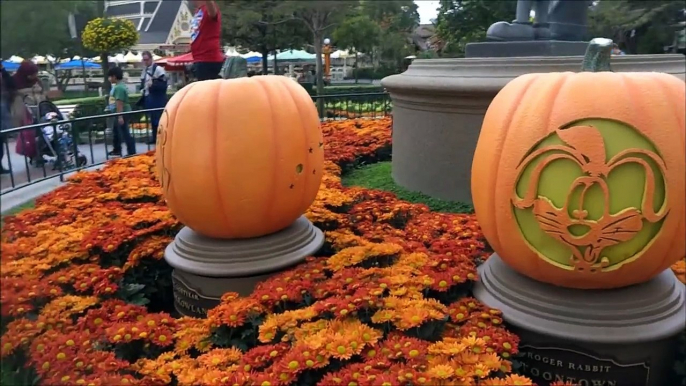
<point>616,337</point>
<point>206,268</point>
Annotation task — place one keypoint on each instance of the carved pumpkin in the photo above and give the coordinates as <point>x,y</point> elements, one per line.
<point>240,158</point>
<point>578,178</point>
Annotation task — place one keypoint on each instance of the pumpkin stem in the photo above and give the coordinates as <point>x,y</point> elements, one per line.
<point>598,55</point>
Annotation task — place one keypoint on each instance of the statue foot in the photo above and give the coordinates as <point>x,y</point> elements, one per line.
<point>542,32</point>
<point>503,31</point>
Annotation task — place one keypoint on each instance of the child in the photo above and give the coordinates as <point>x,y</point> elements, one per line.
<point>119,103</point>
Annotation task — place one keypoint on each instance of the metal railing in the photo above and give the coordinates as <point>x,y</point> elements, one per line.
<point>48,150</point>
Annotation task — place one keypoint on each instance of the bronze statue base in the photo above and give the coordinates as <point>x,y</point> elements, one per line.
<point>616,337</point>
<point>508,49</point>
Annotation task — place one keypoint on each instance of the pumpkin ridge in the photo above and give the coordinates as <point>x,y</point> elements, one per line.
<point>629,84</point>
<point>307,143</point>
<point>513,108</point>
<point>268,213</point>
<point>171,141</point>
<point>666,89</point>
<point>213,155</point>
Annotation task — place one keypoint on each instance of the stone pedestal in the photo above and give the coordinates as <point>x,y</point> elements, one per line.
<point>439,107</point>
<point>206,268</point>
<point>525,48</point>
<point>618,337</point>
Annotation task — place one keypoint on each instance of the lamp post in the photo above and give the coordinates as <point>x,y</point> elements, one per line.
<point>326,50</point>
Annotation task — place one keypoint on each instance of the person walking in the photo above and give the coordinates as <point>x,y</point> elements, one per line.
<point>206,40</point>
<point>153,91</point>
<point>6,87</point>
<point>119,103</point>
<point>27,91</point>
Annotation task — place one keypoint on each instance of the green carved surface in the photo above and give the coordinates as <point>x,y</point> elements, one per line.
<point>626,185</point>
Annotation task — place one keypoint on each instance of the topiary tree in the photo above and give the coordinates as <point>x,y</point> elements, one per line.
<point>108,35</point>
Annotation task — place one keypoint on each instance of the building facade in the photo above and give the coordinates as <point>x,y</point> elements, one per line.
<point>162,24</point>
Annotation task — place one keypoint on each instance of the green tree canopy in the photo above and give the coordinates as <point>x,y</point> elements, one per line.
<point>41,27</point>
<point>638,26</point>
<point>262,26</point>
<point>466,21</point>
<point>320,18</point>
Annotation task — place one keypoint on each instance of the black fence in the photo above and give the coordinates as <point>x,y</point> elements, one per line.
<point>35,153</point>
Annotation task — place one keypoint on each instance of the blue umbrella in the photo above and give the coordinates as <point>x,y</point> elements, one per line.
<point>253,59</point>
<point>10,66</point>
<point>77,65</point>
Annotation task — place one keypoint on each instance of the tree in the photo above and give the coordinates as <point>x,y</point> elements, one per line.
<point>42,29</point>
<point>320,17</point>
<point>106,35</point>
<point>261,26</point>
<point>465,21</point>
<point>358,33</point>
<point>397,20</point>
<point>637,26</point>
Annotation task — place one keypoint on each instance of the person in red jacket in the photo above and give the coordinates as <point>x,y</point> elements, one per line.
<point>206,40</point>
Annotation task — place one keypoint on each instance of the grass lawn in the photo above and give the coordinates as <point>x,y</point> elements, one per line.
<point>378,176</point>
<point>15,210</point>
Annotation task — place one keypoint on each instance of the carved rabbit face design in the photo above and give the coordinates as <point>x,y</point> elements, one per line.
<point>570,222</point>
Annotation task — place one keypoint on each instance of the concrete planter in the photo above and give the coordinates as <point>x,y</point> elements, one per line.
<point>439,106</point>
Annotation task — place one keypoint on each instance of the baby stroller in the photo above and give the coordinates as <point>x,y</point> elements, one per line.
<point>54,143</point>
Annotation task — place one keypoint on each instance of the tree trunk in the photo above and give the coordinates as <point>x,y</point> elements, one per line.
<point>357,67</point>
<point>265,62</point>
<point>319,64</point>
<point>104,62</point>
<point>319,71</point>
<point>84,75</point>
<point>276,64</point>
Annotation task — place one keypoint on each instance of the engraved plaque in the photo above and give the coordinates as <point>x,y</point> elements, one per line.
<point>188,301</point>
<point>545,365</point>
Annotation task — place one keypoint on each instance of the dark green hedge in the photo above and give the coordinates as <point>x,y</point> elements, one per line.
<point>374,73</point>
<point>91,106</point>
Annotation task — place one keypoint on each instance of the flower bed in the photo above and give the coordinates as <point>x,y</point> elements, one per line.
<point>86,295</point>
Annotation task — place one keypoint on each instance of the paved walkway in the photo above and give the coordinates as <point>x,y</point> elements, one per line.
<point>23,174</point>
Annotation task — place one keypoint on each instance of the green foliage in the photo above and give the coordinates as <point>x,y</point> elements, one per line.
<point>106,34</point>
<point>320,17</point>
<point>358,33</point>
<point>466,21</point>
<point>39,27</point>
<point>639,27</point>
<point>397,19</point>
<point>378,176</point>
<point>261,26</point>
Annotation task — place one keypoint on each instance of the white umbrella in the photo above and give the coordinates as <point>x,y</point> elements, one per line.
<point>15,59</point>
<point>131,58</point>
<point>156,57</point>
<point>251,54</point>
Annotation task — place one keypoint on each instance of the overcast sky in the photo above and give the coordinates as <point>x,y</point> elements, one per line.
<point>427,10</point>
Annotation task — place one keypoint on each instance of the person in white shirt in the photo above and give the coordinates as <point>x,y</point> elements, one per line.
<point>153,91</point>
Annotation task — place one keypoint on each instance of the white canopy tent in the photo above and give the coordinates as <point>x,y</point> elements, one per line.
<point>15,59</point>
<point>130,57</point>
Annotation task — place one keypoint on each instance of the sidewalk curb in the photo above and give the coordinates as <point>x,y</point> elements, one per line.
<point>21,196</point>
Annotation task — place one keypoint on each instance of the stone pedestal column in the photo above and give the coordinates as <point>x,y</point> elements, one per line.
<point>439,106</point>
<point>206,268</point>
<point>616,337</point>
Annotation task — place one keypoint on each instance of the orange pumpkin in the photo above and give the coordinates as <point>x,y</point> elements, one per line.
<point>578,179</point>
<point>240,158</point>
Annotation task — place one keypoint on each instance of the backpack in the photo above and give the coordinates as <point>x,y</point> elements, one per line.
<point>234,67</point>
<point>159,85</point>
